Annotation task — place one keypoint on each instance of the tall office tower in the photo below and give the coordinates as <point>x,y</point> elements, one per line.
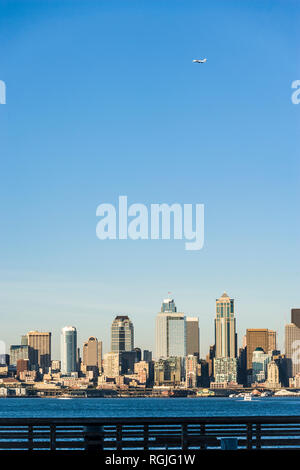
<point>92,353</point>
<point>192,336</point>
<point>292,343</point>
<point>40,344</point>
<point>68,350</point>
<point>259,338</point>
<point>225,331</point>
<point>170,335</point>
<point>225,362</point>
<point>122,334</point>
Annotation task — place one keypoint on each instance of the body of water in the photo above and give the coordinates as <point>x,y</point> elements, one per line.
<point>146,407</point>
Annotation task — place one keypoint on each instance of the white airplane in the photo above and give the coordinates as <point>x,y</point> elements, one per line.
<point>200,61</point>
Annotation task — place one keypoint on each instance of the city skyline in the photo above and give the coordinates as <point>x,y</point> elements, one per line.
<point>127,336</point>
<point>176,362</point>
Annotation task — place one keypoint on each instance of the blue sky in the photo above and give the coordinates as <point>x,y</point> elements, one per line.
<point>103,100</point>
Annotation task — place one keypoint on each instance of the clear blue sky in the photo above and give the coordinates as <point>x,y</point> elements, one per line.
<point>103,100</point>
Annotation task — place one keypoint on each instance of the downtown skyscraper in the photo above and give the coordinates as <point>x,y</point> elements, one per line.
<point>68,350</point>
<point>170,331</point>
<point>122,334</point>
<point>225,363</point>
<point>40,349</point>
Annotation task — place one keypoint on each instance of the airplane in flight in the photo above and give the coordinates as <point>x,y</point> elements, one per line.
<point>199,61</point>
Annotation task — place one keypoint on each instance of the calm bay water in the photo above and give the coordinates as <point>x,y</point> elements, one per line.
<point>146,407</point>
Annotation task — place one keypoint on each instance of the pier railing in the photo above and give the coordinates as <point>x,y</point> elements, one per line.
<point>96,434</point>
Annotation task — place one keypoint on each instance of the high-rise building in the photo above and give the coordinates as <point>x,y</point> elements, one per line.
<point>68,350</point>
<point>170,335</point>
<point>259,338</point>
<point>92,353</point>
<point>225,329</point>
<point>192,336</point>
<point>122,334</point>
<point>225,362</point>
<point>40,344</point>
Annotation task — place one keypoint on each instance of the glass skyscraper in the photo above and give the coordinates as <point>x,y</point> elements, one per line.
<point>68,350</point>
<point>122,334</point>
<point>170,331</point>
